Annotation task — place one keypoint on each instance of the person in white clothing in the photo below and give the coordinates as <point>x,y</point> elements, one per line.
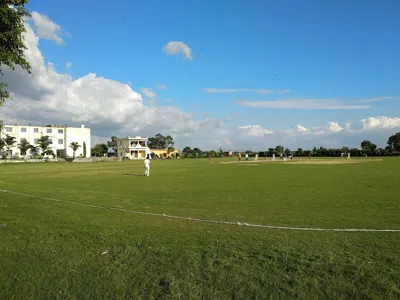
<point>147,166</point>
<point>256,157</point>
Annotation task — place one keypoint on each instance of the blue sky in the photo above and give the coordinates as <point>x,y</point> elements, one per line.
<point>327,50</point>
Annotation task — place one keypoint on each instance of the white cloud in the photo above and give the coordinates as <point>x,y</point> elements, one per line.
<point>254,130</point>
<point>301,129</point>
<point>46,28</point>
<point>334,127</point>
<point>150,94</point>
<point>300,104</point>
<point>175,48</point>
<point>161,87</point>
<point>380,122</point>
<point>68,64</point>
<point>169,100</point>
<point>376,99</point>
<point>258,91</point>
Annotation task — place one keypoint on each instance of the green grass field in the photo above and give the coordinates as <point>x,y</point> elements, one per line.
<point>63,250</point>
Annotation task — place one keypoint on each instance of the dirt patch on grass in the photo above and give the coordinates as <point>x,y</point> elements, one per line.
<point>305,161</point>
<point>334,161</point>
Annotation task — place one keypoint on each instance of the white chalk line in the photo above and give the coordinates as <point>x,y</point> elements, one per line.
<point>202,220</point>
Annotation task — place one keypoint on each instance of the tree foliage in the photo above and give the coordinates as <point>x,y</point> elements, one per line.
<point>84,149</point>
<point>368,147</point>
<point>74,146</point>
<point>24,146</point>
<point>160,142</point>
<point>12,44</point>
<point>394,142</point>
<point>279,149</point>
<point>9,141</point>
<point>44,143</point>
<point>99,150</point>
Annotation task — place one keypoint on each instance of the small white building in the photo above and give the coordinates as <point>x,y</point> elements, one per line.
<point>133,148</point>
<point>60,137</point>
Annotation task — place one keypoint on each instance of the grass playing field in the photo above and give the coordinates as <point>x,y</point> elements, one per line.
<point>63,250</point>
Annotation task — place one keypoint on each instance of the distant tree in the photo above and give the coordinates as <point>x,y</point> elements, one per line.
<point>2,144</point>
<point>74,146</point>
<point>287,151</point>
<point>160,142</point>
<point>186,150</point>
<point>84,149</point>
<point>112,143</point>
<point>24,146</point>
<point>12,44</point>
<point>34,149</point>
<point>9,141</point>
<point>44,143</point>
<point>279,149</point>
<point>99,149</point>
<point>394,142</point>
<point>368,147</point>
<point>300,152</point>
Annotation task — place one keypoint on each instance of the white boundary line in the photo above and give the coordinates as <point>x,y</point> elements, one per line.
<point>203,220</point>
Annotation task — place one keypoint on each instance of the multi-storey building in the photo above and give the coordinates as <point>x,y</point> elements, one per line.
<point>133,148</point>
<point>60,137</point>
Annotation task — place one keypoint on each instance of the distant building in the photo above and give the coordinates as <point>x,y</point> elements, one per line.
<point>166,153</point>
<point>60,137</point>
<point>133,148</point>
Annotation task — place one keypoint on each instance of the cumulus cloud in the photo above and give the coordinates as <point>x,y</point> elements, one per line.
<point>46,28</point>
<point>150,94</point>
<point>177,47</point>
<point>68,64</point>
<point>380,122</point>
<point>161,87</point>
<point>300,104</point>
<point>254,130</point>
<point>258,91</point>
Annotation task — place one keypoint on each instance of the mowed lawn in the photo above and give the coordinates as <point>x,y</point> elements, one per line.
<point>63,250</point>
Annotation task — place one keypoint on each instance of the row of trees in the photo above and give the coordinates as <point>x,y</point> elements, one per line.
<point>366,148</point>
<point>166,142</point>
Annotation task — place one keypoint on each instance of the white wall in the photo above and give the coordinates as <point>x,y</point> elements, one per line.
<point>78,135</point>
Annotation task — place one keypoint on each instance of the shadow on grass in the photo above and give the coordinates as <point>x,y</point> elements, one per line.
<point>132,174</point>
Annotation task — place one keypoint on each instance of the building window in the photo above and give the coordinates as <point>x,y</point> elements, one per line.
<point>49,130</point>
<point>23,140</point>
<point>8,129</point>
<point>60,131</point>
<point>23,129</point>
<point>60,141</point>
<point>36,141</point>
<point>36,130</point>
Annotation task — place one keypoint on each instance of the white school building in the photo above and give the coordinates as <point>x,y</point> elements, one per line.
<point>133,147</point>
<point>60,136</point>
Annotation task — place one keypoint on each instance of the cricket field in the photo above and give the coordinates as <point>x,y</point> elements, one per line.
<point>190,230</point>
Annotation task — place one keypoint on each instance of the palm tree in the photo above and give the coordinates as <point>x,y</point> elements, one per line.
<point>24,146</point>
<point>10,141</point>
<point>74,146</point>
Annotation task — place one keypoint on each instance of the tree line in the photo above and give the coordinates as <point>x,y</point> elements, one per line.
<point>367,147</point>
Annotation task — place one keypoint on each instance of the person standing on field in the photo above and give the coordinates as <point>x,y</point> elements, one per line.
<point>147,166</point>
